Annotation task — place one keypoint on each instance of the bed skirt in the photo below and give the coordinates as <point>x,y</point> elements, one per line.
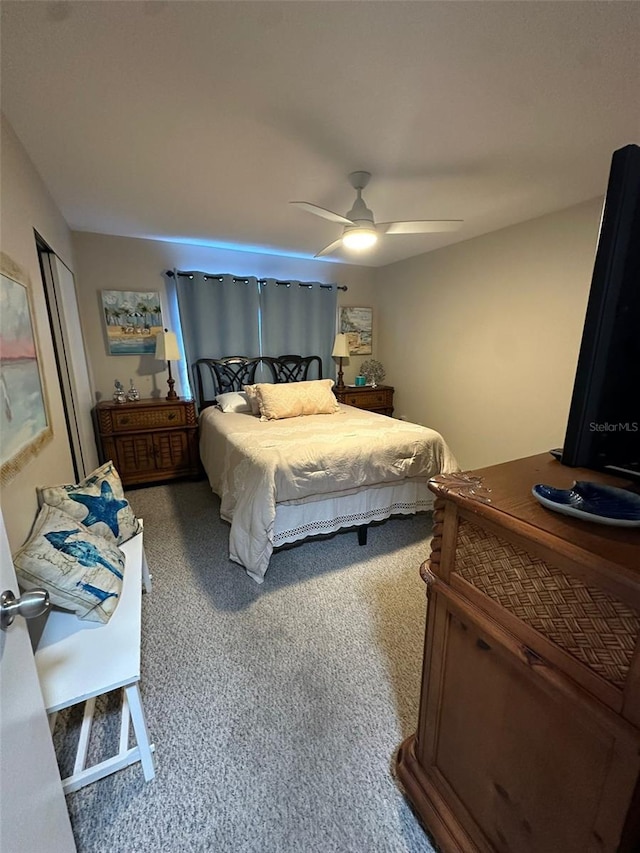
<point>296,521</point>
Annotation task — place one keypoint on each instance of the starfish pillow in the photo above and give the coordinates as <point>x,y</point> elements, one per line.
<point>98,502</point>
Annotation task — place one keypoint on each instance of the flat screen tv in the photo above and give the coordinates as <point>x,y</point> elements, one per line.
<point>603,429</point>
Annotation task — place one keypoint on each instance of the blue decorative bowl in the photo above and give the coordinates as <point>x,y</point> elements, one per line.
<point>592,502</point>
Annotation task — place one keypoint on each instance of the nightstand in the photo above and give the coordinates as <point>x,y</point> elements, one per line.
<point>149,441</point>
<point>374,399</point>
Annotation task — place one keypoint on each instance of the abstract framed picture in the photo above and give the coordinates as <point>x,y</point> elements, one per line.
<point>357,325</point>
<point>25,425</point>
<point>132,321</point>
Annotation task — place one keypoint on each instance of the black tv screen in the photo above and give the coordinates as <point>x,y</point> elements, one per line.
<point>603,429</point>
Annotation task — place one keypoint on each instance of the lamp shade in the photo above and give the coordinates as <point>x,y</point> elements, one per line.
<point>167,346</point>
<point>340,347</point>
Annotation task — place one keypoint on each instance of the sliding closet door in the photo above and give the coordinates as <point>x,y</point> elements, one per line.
<point>71,360</point>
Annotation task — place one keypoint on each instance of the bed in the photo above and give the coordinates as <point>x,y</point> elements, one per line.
<point>284,479</point>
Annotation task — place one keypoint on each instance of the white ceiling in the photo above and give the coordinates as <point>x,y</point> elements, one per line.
<point>200,121</point>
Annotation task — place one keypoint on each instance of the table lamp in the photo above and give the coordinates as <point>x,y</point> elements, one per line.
<point>340,351</point>
<point>167,350</point>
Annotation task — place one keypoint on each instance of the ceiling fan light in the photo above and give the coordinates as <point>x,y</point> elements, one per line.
<point>360,238</point>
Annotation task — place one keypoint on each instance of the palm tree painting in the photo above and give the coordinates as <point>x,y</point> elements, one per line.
<point>132,321</point>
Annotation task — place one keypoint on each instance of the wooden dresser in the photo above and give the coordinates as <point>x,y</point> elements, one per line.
<point>528,737</point>
<point>150,440</point>
<point>378,399</point>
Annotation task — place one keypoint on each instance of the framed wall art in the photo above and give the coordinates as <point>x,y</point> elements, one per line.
<point>132,321</point>
<point>25,426</point>
<point>357,325</point>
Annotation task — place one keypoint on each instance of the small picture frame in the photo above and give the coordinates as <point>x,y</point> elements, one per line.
<point>357,325</point>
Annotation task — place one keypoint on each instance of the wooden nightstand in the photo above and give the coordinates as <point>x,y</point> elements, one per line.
<point>378,399</point>
<point>149,441</point>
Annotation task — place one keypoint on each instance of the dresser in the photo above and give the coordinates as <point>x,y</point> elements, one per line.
<point>528,737</point>
<point>149,441</point>
<point>374,399</point>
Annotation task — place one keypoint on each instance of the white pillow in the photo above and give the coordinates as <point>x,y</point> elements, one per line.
<point>233,401</point>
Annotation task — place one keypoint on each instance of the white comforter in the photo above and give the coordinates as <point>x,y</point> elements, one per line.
<point>253,465</point>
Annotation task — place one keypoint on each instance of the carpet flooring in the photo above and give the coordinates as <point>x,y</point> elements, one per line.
<point>276,709</point>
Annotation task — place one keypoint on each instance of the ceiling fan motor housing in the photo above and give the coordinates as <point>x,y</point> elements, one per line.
<point>360,213</point>
<point>360,225</point>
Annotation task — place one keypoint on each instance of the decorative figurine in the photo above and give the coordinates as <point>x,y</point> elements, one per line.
<point>373,371</point>
<point>133,395</point>
<point>118,395</point>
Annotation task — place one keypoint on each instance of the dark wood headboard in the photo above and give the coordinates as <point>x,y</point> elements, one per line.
<point>213,376</point>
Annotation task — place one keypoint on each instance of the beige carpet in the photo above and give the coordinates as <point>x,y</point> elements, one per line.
<point>276,710</point>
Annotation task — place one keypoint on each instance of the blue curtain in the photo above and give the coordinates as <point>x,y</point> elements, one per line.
<point>223,315</point>
<point>299,318</point>
<point>219,315</point>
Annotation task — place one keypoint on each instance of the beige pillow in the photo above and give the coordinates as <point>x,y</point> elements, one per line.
<point>252,395</point>
<point>292,399</point>
<point>81,570</point>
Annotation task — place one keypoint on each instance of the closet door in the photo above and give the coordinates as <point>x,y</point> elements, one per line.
<point>71,360</point>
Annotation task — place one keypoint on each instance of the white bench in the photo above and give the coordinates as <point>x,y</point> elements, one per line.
<point>79,660</point>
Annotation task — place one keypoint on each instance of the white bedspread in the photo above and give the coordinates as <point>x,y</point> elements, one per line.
<point>253,465</point>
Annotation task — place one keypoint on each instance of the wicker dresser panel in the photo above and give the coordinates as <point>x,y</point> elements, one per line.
<point>166,416</point>
<point>592,626</point>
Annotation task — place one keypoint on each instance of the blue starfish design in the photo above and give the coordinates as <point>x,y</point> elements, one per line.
<point>104,508</point>
<point>84,552</point>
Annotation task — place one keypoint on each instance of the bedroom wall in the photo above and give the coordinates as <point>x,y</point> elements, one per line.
<point>25,205</point>
<point>481,339</point>
<point>121,263</point>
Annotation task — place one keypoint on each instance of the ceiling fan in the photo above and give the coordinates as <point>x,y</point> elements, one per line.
<point>360,230</point>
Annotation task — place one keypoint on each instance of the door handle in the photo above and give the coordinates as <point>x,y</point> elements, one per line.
<point>29,605</point>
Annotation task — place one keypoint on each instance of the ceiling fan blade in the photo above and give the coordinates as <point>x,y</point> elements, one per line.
<point>330,248</point>
<point>321,211</point>
<point>420,226</point>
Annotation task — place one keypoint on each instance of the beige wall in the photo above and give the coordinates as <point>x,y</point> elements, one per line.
<point>481,339</point>
<point>26,205</point>
<point>122,263</point>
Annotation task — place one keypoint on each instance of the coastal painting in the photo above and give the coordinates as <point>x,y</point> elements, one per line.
<point>357,325</point>
<point>132,321</point>
<point>24,420</point>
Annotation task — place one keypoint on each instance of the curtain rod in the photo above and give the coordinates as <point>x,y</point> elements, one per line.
<point>208,276</point>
